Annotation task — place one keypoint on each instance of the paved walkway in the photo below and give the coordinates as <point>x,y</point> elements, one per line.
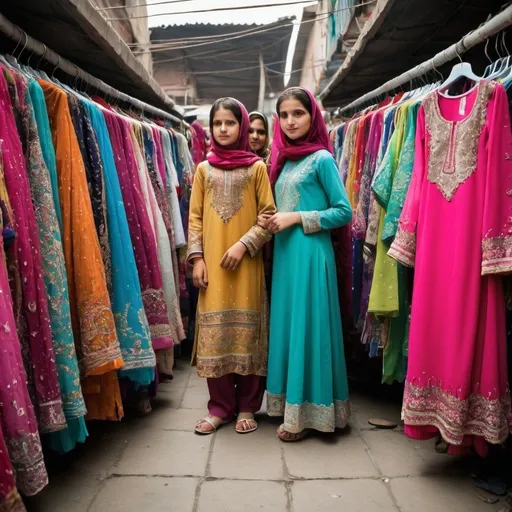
<point>158,464</point>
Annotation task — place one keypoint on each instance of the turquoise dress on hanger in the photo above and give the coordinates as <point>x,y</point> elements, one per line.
<point>42,173</point>
<point>307,378</point>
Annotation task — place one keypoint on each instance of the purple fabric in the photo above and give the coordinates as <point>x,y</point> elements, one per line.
<point>233,394</point>
<point>284,149</point>
<point>235,157</point>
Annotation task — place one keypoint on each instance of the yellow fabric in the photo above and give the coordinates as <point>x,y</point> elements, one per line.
<point>231,328</point>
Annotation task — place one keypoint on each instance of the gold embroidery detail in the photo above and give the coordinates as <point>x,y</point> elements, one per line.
<point>255,239</point>
<point>227,188</point>
<point>497,255</point>
<point>310,222</point>
<point>232,341</point>
<point>298,417</point>
<point>455,417</point>
<point>195,243</point>
<point>453,145</point>
<point>403,248</point>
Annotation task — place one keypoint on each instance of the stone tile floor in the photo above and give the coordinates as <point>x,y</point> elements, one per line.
<point>158,464</point>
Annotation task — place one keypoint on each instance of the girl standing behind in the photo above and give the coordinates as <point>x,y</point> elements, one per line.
<point>229,191</point>
<point>307,380</point>
<point>259,136</point>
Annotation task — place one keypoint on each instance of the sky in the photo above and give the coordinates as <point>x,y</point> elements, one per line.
<point>247,16</point>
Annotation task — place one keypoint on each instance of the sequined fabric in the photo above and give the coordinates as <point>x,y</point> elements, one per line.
<point>452,156</point>
<point>33,317</point>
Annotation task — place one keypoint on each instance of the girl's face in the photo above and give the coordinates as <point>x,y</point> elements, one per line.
<point>226,128</point>
<point>294,119</point>
<point>257,135</point>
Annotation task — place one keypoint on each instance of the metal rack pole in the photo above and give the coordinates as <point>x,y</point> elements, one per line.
<point>488,29</point>
<point>15,33</point>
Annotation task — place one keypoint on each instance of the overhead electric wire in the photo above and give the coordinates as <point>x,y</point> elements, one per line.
<point>116,7</point>
<point>215,9</point>
<point>268,29</point>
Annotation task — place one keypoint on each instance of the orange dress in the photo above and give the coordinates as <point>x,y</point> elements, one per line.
<point>94,328</point>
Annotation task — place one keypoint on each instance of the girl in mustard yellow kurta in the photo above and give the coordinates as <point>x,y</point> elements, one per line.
<point>230,189</point>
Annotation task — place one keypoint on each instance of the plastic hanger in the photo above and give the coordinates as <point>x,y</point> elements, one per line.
<point>460,70</point>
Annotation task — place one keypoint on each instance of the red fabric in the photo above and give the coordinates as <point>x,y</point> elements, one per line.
<point>283,149</point>
<point>234,157</point>
<point>232,394</point>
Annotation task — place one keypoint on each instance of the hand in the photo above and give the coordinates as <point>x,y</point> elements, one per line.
<point>200,274</point>
<point>233,256</point>
<point>281,221</point>
<point>263,220</point>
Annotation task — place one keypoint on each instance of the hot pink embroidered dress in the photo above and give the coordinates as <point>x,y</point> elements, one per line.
<point>456,230</point>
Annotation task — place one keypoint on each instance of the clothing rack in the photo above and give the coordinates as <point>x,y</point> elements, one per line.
<point>27,42</point>
<point>485,31</point>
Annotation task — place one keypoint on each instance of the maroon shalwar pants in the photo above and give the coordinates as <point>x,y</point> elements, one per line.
<point>233,394</point>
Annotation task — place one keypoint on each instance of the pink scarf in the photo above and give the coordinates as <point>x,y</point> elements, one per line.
<point>284,149</point>
<point>198,143</point>
<point>237,156</point>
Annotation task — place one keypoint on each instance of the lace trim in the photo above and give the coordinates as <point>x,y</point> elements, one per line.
<point>255,239</point>
<point>497,255</point>
<point>310,222</point>
<point>195,243</point>
<point>453,146</point>
<point>227,188</point>
<point>324,418</point>
<point>455,417</point>
<point>403,248</point>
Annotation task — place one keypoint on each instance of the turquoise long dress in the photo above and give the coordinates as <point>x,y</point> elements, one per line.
<point>307,377</point>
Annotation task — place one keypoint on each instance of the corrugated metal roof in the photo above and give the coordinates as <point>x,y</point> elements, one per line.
<point>409,32</point>
<point>232,66</point>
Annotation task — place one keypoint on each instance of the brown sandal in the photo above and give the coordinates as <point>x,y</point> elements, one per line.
<point>290,437</point>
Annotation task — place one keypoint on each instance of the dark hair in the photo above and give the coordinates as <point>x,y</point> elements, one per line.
<point>227,104</point>
<point>261,117</point>
<point>297,94</point>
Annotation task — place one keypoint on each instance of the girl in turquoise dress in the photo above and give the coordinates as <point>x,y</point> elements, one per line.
<point>307,378</point>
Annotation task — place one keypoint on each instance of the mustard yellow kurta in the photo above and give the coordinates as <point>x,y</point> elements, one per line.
<point>232,314</point>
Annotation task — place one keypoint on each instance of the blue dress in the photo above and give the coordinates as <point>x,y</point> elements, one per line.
<point>307,378</point>
<point>126,296</point>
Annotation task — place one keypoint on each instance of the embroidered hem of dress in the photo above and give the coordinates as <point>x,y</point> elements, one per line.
<point>310,222</point>
<point>92,362</point>
<point>455,417</point>
<point>51,417</point>
<point>135,361</point>
<point>497,255</point>
<point>28,463</point>
<point>403,248</point>
<point>12,502</point>
<point>298,417</point>
<point>215,367</point>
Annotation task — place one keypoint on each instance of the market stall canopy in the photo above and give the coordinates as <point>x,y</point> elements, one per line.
<point>399,35</point>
